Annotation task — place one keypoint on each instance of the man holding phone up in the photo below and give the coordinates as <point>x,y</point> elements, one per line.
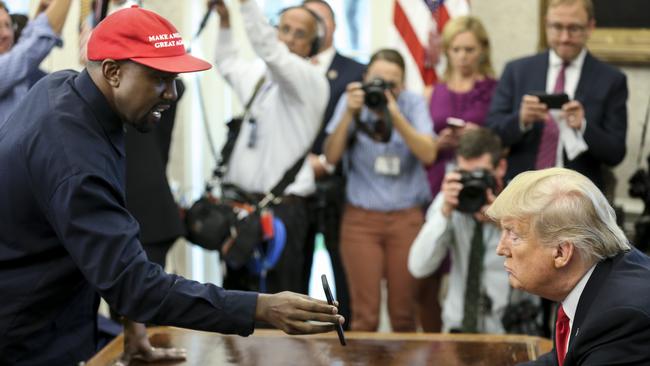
<point>583,134</point>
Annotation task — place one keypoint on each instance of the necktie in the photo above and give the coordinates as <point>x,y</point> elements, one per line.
<point>473,285</point>
<point>547,151</point>
<point>562,329</point>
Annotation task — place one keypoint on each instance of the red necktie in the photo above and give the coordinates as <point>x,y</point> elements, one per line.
<point>547,151</point>
<point>562,330</point>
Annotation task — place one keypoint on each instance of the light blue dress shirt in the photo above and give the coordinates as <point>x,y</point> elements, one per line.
<point>381,192</point>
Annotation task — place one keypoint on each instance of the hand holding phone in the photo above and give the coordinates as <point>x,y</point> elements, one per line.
<point>552,101</point>
<point>330,300</point>
<point>455,122</point>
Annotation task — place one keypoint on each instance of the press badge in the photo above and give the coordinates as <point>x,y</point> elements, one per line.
<point>387,165</point>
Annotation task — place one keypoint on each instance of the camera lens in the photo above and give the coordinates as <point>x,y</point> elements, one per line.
<point>375,97</point>
<point>475,183</point>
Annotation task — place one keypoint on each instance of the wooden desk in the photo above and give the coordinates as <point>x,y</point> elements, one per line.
<point>271,347</point>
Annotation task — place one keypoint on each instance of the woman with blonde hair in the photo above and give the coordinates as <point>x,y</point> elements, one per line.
<point>461,100</point>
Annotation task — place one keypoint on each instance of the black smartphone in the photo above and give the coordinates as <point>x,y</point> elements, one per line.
<point>330,300</point>
<point>552,101</point>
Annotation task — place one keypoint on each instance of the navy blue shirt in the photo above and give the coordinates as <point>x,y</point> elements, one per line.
<point>66,236</point>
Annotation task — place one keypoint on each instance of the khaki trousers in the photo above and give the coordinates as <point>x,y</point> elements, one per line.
<point>375,245</point>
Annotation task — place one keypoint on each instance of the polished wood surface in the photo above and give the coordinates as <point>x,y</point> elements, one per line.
<point>271,347</point>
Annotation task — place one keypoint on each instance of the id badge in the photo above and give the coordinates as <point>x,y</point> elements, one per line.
<point>387,165</point>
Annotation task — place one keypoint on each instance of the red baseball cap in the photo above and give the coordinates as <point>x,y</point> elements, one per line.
<point>144,37</point>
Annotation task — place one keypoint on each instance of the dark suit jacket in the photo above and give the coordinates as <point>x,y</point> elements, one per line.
<point>148,196</point>
<point>342,71</point>
<point>612,321</point>
<point>602,90</point>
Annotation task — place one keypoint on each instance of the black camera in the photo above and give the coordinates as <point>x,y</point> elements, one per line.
<point>522,318</point>
<point>374,89</point>
<point>475,183</point>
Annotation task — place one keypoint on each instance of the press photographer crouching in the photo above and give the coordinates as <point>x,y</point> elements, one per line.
<point>478,292</point>
<point>384,134</point>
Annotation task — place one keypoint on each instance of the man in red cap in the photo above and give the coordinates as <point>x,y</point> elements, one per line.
<point>65,234</point>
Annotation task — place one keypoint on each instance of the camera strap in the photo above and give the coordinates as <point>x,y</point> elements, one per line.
<point>234,127</point>
<point>383,128</point>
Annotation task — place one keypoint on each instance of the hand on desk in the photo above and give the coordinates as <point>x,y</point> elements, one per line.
<point>137,347</point>
<point>290,312</point>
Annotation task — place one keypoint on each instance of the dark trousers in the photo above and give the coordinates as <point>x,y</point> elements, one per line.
<point>288,273</point>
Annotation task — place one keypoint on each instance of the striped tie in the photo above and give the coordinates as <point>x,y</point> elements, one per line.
<point>547,151</point>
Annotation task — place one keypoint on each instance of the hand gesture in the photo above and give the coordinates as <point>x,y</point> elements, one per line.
<point>391,104</point>
<point>138,348</point>
<point>574,113</point>
<point>480,215</point>
<point>291,313</point>
<point>448,138</point>
<point>532,110</point>
<point>222,11</point>
<point>451,187</point>
<point>355,95</point>
<point>42,6</point>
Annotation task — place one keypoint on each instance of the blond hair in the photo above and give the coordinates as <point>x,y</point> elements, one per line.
<point>471,24</point>
<point>588,5</point>
<point>562,205</point>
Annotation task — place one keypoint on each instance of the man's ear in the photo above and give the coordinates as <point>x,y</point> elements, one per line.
<point>563,254</point>
<point>112,72</point>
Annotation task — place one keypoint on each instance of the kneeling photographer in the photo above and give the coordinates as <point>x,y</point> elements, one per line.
<point>478,289</point>
<point>384,134</point>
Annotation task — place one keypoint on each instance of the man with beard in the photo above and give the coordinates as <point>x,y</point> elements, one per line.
<point>65,234</point>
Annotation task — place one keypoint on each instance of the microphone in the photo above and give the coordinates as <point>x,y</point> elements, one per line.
<point>204,21</point>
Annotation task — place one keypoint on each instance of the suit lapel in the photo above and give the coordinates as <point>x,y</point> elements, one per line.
<point>537,83</point>
<point>539,71</point>
<point>585,80</point>
<point>591,290</point>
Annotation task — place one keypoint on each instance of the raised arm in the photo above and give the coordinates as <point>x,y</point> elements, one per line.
<point>295,75</point>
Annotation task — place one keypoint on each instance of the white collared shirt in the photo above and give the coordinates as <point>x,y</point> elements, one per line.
<point>440,234</point>
<point>570,303</point>
<point>287,110</point>
<point>323,60</point>
<point>570,139</point>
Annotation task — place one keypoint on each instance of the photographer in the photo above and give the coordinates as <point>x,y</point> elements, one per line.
<point>478,287</point>
<point>385,144</point>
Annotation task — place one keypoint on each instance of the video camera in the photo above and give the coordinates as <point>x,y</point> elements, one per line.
<point>374,89</point>
<point>475,183</point>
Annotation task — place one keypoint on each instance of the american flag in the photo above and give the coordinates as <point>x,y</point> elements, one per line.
<point>417,24</point>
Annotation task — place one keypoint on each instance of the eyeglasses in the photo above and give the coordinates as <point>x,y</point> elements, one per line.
<point>572,29</point>
<point>298,34</point>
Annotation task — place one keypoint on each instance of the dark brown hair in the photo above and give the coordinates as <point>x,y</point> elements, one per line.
<point>390,55</point>
<point>475,143</point>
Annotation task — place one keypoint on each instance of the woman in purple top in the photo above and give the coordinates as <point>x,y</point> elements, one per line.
<point>459,102</point>
<point>462,99</point>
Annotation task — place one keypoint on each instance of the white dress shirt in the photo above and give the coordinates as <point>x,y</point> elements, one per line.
<point>439,234</point>
<point>570,139</point>
<point>288,108</point>
<point>570,303</point>
<point>323,60</point>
